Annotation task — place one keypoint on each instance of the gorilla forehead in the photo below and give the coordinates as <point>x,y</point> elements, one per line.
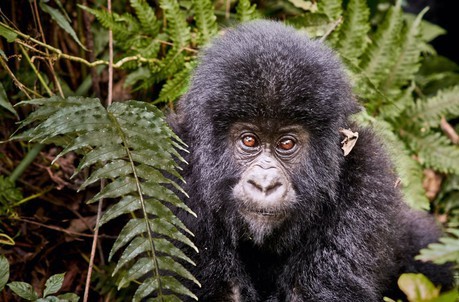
<point>265,69</point>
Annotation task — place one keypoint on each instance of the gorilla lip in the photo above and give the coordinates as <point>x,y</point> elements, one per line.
<point>267,214</point>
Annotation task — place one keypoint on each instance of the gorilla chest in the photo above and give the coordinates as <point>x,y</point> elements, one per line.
<point>264,269</point>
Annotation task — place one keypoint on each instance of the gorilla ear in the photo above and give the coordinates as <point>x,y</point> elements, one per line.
<point>350,139</point>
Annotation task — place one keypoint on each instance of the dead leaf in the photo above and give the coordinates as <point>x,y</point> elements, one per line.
<point>432,183</point>
<point>449,131</point>
<point>349,141</point>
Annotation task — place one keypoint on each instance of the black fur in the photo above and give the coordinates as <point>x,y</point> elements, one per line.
<point>350,236</point>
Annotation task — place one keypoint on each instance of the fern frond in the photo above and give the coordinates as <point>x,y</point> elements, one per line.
<point>408,61</point>
<point>398,104</point>
<point>131,147</point>
<point>123,26</point>
<point>429,112</point>
<point>205,20</point>
<point>353,32</point>
<point>435,151</point>
<point>445,251</point>
<point>383,51</point>
<point>177,27</point>
<point>331,8</point>
<point>146,15</point>
<point>177,86</point>
<point>172,63</point>
<point>246,11</point>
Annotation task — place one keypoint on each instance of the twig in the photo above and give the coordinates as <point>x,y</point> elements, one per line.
<point>102,184</point>
<point>59,54</point>
<point>16,82</point>
<point>332,27</point>
<point>227,9</point>
<point>50,62</point>
<point>40,78</point>
<point>55,228</point>
<point>172,44</point>
<point>449,131</point>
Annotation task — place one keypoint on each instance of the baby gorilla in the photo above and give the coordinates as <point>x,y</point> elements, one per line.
<point>282,214</point>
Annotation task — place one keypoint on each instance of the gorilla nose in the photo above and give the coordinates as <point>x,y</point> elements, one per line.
<point>265,185</point>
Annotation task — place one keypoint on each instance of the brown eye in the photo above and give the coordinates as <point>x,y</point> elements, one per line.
<point>249,141</point>
<point>286,144</point>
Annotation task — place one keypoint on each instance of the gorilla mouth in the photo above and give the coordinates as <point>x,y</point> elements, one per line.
<point>266,214</point>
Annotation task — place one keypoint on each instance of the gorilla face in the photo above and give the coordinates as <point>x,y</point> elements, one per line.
<point>267,154</point>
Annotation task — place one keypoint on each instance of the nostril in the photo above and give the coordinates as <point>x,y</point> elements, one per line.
<point>255,184</point>
<point>272,188</point>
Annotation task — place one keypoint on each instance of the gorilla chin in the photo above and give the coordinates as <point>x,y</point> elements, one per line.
<point>261,223</point>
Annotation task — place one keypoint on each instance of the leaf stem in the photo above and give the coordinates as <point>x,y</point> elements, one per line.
<point>28,159</point>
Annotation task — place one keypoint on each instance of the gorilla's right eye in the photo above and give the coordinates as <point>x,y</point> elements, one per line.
<point>249,141</point>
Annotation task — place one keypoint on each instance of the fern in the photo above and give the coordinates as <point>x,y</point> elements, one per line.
<point>398,105</point>
<point>353,33</point>
<point>445,251</point>
<point>429,112</point>
<point>177,28</point>
<point>331,8</point>
<point>123,26</point>
<point>246,11</point>
<point>205,20</point>
<point>177,86</point>
<point>378,59</point>
<point>435,151</point>
<point>408,60</point>
<point>146,16</point>
<point>130,146</point>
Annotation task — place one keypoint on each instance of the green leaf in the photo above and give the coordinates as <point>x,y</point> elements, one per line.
<point>353,38</point>
<point>7,33</point>
<point>447,250</point>
<point>147,17</point>
<point>429,30</point>
<point>61,20</point>
<point>130,146</point>
<point>168,282</point>
<point>177,27</point>
<point>53,284</point>
<point>245,11</point>
<point>381,53</point>
<point>4,271</point>
<point>205,20</point>
<point>4,101</point>
<point>407,62</point>
<point>23,290</point>
<point>331,8</point>
<point>417,287</point>
<point>435,151</point>
<point>430,111</point>
<point>69,297</point>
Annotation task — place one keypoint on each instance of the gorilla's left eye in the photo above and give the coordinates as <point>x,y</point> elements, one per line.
<point>286,144</point>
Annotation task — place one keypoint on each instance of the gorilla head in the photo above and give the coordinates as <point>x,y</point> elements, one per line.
<point>263,114</point>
